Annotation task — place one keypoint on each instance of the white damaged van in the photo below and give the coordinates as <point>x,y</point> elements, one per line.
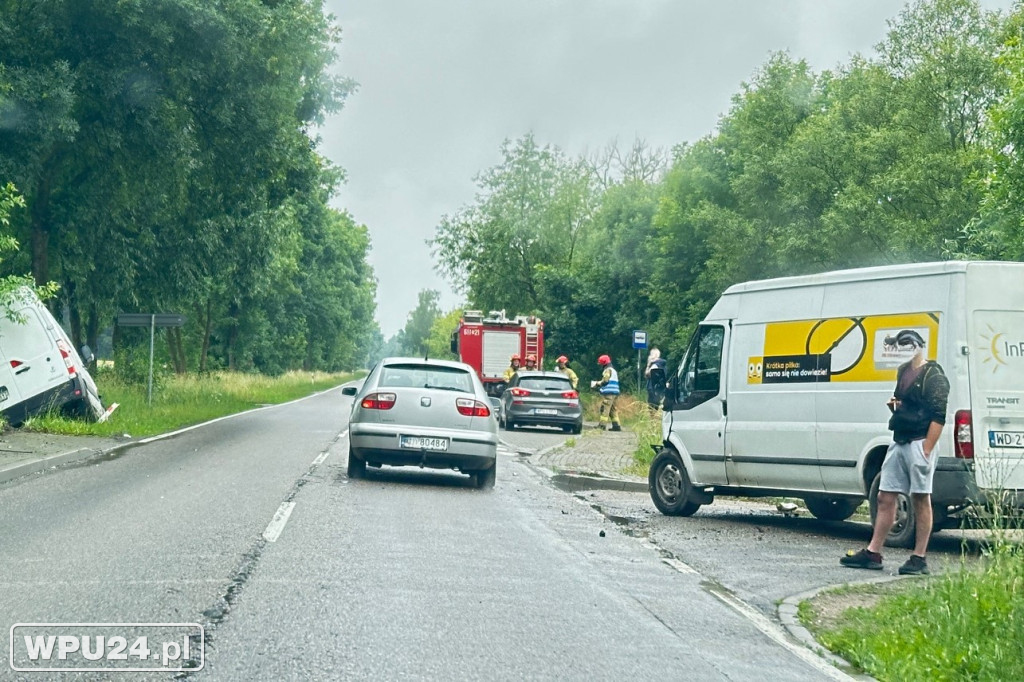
<point>784,386</point>
<point>39,367</point>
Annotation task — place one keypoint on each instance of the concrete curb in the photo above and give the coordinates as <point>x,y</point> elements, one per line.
<point>573,481</point>
<point>787,612</point>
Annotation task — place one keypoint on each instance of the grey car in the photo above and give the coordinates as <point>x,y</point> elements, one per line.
<point>426,413</point>
<point>541,399</point>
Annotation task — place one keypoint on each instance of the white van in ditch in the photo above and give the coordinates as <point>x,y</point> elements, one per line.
<point>784,386</point>
<point>39,367</point>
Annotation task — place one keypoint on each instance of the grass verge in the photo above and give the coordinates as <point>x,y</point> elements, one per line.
<point>967,624</point>
<point>184,400</point>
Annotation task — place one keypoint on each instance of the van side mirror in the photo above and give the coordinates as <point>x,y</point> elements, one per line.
<point>671,394</point>
<point>349,390</point>
<point>87,355</point>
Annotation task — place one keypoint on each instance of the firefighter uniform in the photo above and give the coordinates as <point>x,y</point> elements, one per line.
<point>512,368</point>
<point>608,387</point>
<point>563,367</point>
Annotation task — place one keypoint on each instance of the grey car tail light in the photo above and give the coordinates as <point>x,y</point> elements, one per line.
<point>379,401</point>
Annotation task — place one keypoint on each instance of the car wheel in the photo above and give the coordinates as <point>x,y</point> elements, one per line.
<point>829,508</point>
<point>904,531</point>
<point>578,428</point>
<point>670,486</point>
<point>567,428</point>
<point>485,479</point>
<point>356,466</point>
<point>510,425</point>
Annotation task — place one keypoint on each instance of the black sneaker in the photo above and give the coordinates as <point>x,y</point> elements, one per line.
<point>616,427</point>
<point>862,559</point>
<point>915,565</point>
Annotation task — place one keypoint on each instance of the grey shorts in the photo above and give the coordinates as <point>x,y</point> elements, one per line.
<point>907,470</point>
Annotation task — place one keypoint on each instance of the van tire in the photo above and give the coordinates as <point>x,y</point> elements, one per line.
<point>669,485</point>
<point>904,531</point>
<point>830,508</point>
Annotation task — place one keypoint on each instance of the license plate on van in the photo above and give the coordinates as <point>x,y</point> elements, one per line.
<point>423,443</point>
<point>1006,439</point>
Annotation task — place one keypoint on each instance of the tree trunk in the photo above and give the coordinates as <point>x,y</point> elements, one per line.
<point>207,330</point>
<point>180,361</point>
<point>232,334</point>
<point>40,220</point>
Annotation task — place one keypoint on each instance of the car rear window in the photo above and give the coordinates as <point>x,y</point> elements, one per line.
<point>426,376</point>
<point>545,384</point>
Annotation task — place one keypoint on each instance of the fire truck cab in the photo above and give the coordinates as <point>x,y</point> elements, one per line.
<point>487,343</point>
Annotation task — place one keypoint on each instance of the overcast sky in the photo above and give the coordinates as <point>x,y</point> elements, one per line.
<point>443,82</point>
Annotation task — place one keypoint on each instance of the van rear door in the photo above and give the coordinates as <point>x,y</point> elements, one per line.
<point>31,354</point>
<point>997,398</point>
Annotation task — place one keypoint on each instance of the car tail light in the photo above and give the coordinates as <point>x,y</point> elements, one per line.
<point>571,395</point>
<point>65,353</point>
<point>963,435</point>
<point>519,392</point>
<point>468,407</point>
<point>379,401</point>
<point>16,364</point>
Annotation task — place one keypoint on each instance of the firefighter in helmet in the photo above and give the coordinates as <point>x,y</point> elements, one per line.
<point>562,365</point>
<point>608,386</point>
<point>513,368</point>
<point>531,362</point>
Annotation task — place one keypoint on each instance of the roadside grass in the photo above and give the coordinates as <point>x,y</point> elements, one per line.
<point>967,624</point>
<point>184,400</point>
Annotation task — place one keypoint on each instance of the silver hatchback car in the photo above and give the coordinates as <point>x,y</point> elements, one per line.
<point>426,413</point>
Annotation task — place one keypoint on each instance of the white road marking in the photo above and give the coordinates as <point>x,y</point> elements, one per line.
<point>680,566</point>
<point>162,436</point>
<point>276,525</point>
<point>320,458</point>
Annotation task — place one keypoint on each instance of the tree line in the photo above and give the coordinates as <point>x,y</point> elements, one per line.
<point>908,154</point>
<point>166,160</point>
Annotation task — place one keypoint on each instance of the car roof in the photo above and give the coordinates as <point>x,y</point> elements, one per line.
<point>436,362</point>
<point>533,374</point>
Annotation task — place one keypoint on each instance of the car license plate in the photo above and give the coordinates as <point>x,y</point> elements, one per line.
<point>543,410</point>
<point>1006,439</point>
<point>423,443</point>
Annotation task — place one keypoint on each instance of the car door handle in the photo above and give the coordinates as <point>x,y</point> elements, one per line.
<point>23,369</point>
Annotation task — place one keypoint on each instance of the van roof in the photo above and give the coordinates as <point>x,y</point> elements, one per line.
<point>862,274</point>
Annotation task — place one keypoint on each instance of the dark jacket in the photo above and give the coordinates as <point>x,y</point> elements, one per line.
<point>922,403</point>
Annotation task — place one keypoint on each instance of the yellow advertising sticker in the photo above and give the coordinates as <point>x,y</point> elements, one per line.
<point>839,349</point>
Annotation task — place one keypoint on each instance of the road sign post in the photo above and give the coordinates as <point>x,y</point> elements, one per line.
<point>151,320</point>
<point>639,342</point>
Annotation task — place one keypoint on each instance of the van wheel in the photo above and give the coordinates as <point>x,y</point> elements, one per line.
<point>831,508</point>
<point>670,486</point>
<point>904,530</point>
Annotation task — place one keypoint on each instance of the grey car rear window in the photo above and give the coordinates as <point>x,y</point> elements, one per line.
<point>426,376</point>
<point>545,384</point>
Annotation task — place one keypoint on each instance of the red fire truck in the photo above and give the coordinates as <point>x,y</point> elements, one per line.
<point>487,343</point>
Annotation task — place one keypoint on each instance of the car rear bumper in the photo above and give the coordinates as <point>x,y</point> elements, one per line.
<point>467,450</point>
<point>527,415</point>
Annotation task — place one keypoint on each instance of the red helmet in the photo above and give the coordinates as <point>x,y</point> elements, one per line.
<point>562,359</point>
<point>531,358</point>
<point>515,357</point>
<point>604,360</point>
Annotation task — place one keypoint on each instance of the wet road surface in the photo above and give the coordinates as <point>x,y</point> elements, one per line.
<point>251,527</point>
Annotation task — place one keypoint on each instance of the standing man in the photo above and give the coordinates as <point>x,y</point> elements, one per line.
<point>562,365</point>
<point>655,374</point>
<point>608,386</point>
<point>918,410</point>
<point>513,368</point>
<point>531,362</point>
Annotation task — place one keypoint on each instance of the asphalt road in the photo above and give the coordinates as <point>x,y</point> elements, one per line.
<point>251,527</point>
